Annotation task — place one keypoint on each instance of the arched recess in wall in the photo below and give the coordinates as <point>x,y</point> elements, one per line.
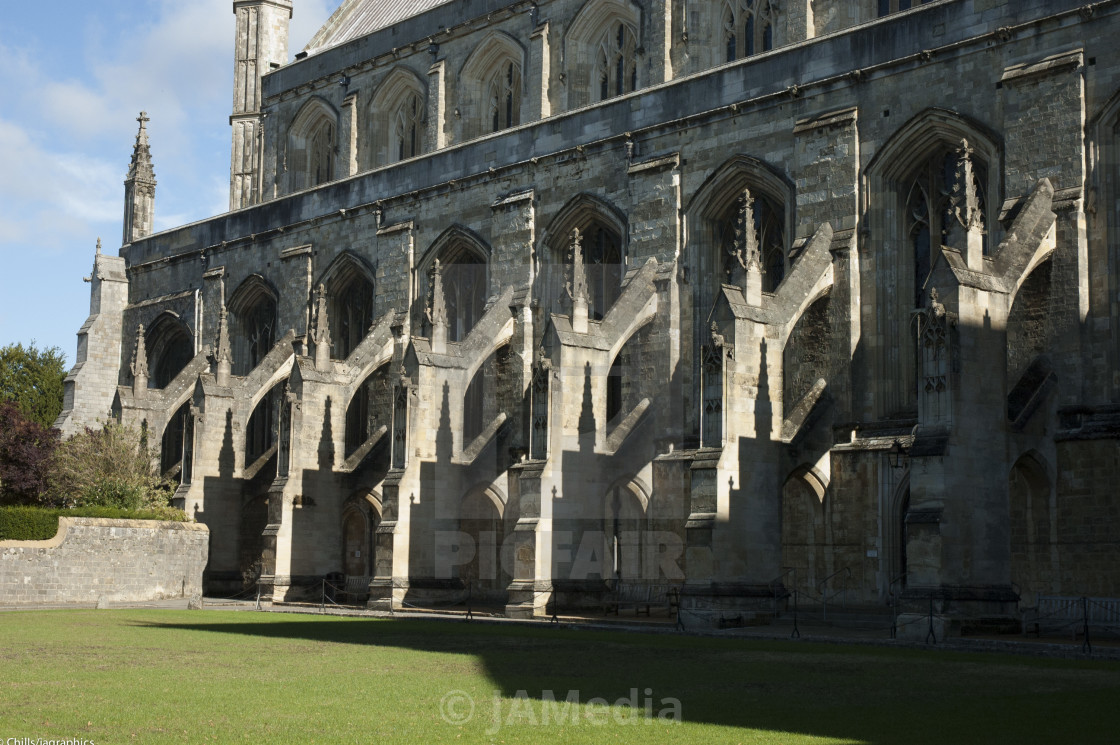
<point>1034,560</point>
<point>806,533</point>
<point>482,524</point>
<point>262,434</point>
<point>397,116</point>
<point>252,323</point>
<point>746,28</point>
<point>464,259</point>
<point>906,202</point>
<point>894,534</point>
<point>170,347</point>
<point>369,409</point>
<point>712,216</point>
<point>1102,205</point>
<point>349,284</point>
<point>361,516</point>
<point>626,535</point>
<point>491,86</point>
<point>604,233</point>
<point>483,399</point>
<point>807,356</point>
<point>312,145</point>
<point>175,449</point>
<point>1030,333</point>
<point>601,56</point>
<point>624,383</point>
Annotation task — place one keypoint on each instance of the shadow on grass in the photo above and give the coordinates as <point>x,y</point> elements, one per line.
<point>864,695</point>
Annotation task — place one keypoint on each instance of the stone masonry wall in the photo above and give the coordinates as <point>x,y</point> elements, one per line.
<point>123,560</point>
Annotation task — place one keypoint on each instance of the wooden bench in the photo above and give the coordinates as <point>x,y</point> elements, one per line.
<point>639,595</point>
<point>1059,613</point>
<point>355,589</point>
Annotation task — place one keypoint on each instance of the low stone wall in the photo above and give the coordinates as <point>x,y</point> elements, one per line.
<point>120,560</point>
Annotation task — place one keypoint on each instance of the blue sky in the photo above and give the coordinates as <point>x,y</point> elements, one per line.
<point>74,75</point>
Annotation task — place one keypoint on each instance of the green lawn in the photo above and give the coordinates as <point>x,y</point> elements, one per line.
<point>218,676</point>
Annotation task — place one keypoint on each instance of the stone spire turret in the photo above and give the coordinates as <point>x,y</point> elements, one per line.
<point>261,45</point>
<point>577,287</point>
<point>437,312</point>
<point>139,187</point>
<point>746,252</point>
<point>222,356</point>
<point>321,331</point>
<point>139,364</point>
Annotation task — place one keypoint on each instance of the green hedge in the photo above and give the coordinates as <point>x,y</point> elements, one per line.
<point>39,524</point>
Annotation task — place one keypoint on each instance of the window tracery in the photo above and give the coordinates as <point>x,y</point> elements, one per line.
<point>616,69</point>
<point>408,128</point>
<point>504,97</point>
<point>748,28</point>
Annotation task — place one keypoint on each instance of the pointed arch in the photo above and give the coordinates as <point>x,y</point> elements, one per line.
<point>360,518</point>
<point>464,258</point>
<point>170,347</point>
<point>312,145</point>
<point>805,534</point>
<point>625,521</point>
<point>492,83</point>
<point>482,522</point>
<point>903,197</point>
<point>605,233</point>
<point>398,112</point>
<point>369,408</point>
<point>252,322</point>
<point>1032,513</point>
<point>893,526</point>
<point>746,27</point>
<point>349,283</point>
<point>601,51</point>
<point>709,217</point>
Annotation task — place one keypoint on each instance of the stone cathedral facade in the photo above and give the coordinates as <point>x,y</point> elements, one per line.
<point>740,296</point>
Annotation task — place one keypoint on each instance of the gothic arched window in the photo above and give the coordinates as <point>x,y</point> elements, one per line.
<point>768,220</point>
<point>504,97</point>
<point>616,69</point>
<point>604,266</point>
<point>350,312</point>
<point>321,154</point>
<point>170,347</point>
<point>408,129</point>
<point>464,288</point>
<point>929,212</point>
<point>397,117</point>
<point>252,324</point>
<point>748,27</point>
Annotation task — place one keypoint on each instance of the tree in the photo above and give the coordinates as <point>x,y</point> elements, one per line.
<point>107,467</point>
<point>32,379</point>
<point>26,449</point>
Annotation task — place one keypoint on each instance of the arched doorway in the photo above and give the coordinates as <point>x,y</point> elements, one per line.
<point>482,525</point>
<point>625,535</point>
<point>360,518</point>
<point>806,543</point>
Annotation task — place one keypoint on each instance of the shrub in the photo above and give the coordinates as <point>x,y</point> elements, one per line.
<point>26,449</point>
<point>27,524</point>
<point>107,467</point>
<point>39,524</point>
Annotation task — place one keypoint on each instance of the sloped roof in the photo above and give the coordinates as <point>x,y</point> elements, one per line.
<point>356,18</point>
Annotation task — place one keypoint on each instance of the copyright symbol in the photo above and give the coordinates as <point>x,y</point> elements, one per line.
<point>456,707</point>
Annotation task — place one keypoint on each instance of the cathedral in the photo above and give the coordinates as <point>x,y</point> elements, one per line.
<point>533,300</point>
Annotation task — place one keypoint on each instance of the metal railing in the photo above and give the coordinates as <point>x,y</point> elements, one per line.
<point>776,583</point>
<point>822,589</point>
